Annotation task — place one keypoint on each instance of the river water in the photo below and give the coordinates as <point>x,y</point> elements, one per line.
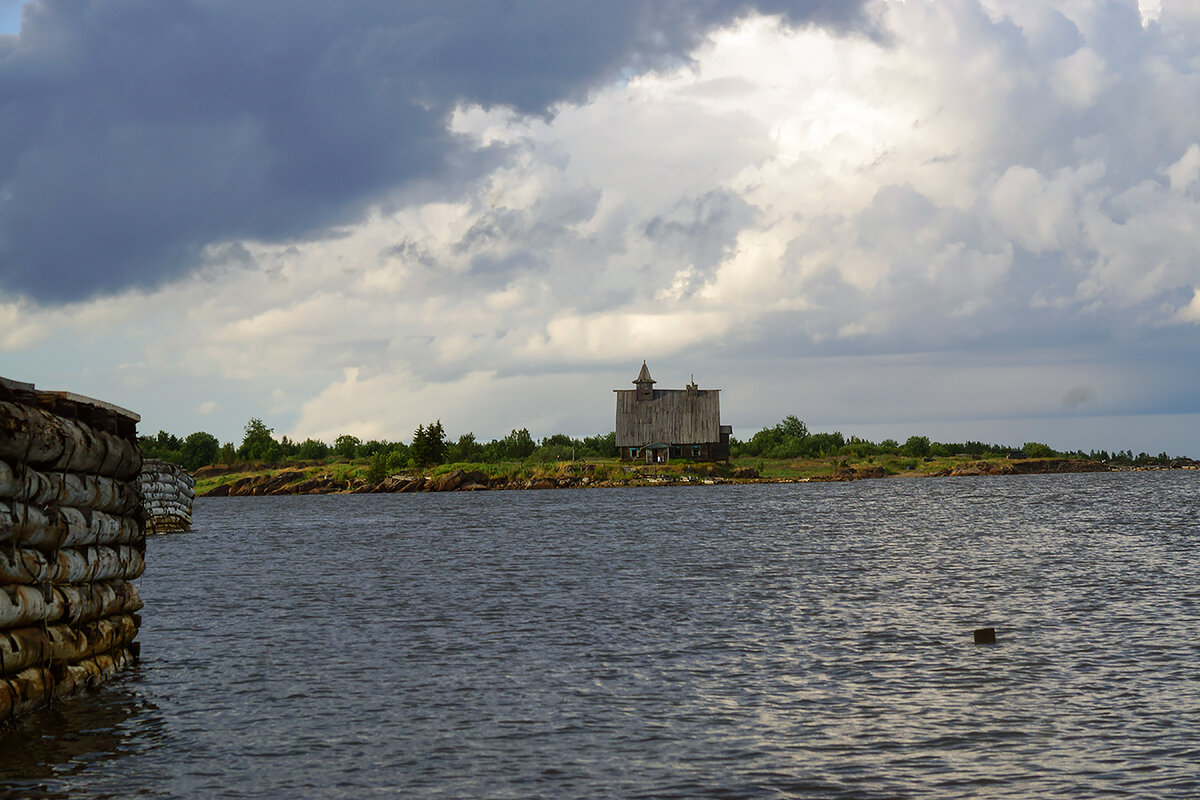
<point>808,640</point>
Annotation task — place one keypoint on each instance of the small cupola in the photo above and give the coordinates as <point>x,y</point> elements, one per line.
<point>692,389</point>
<point>644,383</point>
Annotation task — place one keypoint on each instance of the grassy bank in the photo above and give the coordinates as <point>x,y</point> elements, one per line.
<point>356,474</point>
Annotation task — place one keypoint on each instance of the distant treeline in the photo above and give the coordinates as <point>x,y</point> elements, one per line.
<point>429,447</point>
<point>792,439</point>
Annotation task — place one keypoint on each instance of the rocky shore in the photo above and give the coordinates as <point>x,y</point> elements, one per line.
<point>577,476</point>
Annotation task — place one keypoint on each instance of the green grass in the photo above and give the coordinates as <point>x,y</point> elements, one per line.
<point>613,470</point>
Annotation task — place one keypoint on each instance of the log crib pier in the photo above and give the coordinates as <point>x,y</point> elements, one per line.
<point>72,541</point>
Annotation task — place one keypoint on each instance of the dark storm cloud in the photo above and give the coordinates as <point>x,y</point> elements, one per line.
<point>134,133</point>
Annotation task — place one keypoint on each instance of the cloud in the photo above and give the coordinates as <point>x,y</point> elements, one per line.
<point>981,210</point>
<point>138,134</point>
<point>390,406</point>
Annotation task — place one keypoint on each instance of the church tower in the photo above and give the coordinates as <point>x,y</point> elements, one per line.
<point>644,383</point>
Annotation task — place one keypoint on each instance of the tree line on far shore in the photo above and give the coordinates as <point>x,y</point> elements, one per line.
<point>791,439</point>
<point>429,447</point>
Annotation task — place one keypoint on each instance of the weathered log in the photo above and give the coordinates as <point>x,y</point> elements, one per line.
<point>63,526</point>
<point>21,606</point>
<point>27,485</point>
<point>35,687</point>
<point>165,493</point>
<point>21,648</point>
<point>166,483</point>
<point>160,502</point>
<point>26,691</point>
<point>179,517</point>
<point>162,522</point>
<point>94,671</point>
<point>81,603</point>
<point>150,483</point>
<point>26,565</point>
<point>168,514</point>
<point>167,525</point>
<point>175,517</point>
<point>158,467</point>
<point>49,442</point>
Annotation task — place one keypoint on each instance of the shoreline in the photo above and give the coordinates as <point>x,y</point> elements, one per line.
<point>293,482</point>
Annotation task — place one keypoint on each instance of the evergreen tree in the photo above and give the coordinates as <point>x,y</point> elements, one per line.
<point>429,445</point>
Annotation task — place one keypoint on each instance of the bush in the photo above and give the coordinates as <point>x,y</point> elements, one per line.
<point>379,466</point>
<point>398,458</point>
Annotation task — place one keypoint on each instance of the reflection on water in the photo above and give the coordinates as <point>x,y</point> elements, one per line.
<point>756,641</point>
<point>41,754</point>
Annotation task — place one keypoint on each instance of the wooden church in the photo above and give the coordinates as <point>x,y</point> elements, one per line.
<point>657,425</point>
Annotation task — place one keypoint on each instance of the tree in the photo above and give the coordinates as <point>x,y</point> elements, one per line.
<point>519,445</point>
<point>163,446</point>
<point>793,428</point>
<point>917,446</point>
<point>312,450</point>
<point>398,457</point>
<point>346,445</point>
<point>558,440</point>
<point>465,449</point>
<point>603,446</point>
<point>822,445</point>
<point>429,445</point>
<point>370,448</point>
<point>257,443</point>
<point>199,450</point>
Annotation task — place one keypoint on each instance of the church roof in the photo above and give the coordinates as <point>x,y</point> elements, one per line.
<point>644,375</point>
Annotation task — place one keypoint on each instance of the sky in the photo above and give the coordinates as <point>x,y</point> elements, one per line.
<point>966,219</point>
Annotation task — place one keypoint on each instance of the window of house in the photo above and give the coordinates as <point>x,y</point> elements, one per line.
<point>695,451</point>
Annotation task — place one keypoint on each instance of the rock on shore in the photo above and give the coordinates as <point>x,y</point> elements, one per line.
<point>1040,466</point>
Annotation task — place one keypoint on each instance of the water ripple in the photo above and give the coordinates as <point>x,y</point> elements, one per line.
<point>775,641</point>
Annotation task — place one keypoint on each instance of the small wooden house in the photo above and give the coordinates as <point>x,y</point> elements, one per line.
<point>657,425</point>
